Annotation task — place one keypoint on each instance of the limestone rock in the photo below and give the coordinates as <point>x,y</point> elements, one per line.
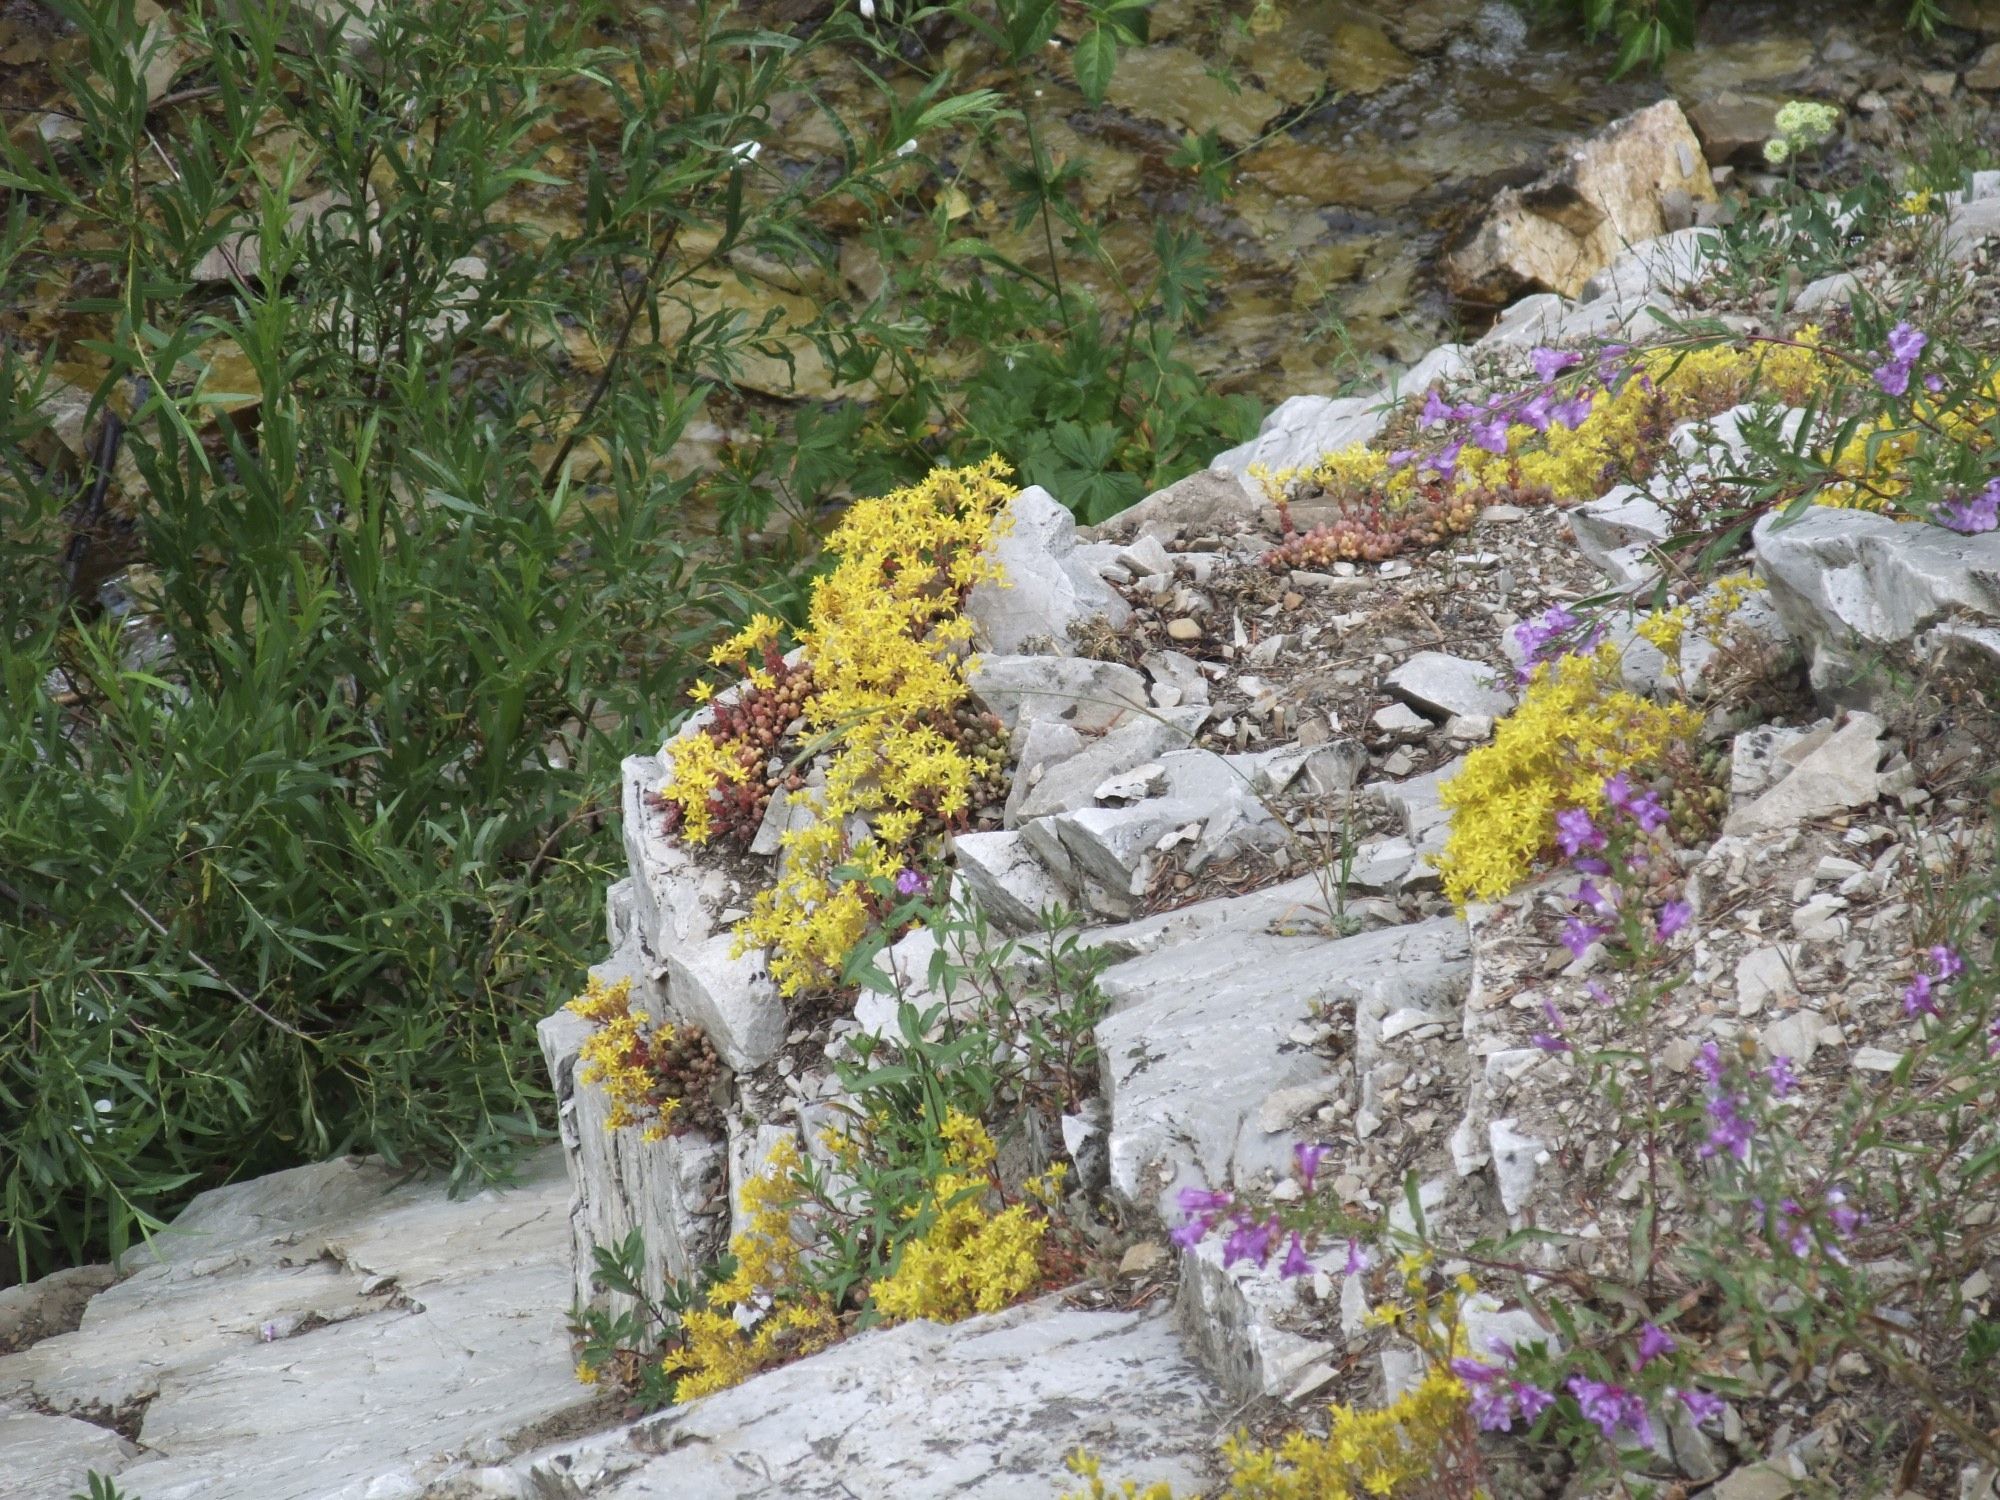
<point>53,1305</point>
<point>1624,518</point>
<point>1854,587</point>
<point>1446,685</point>
<point>729,996</point>
<point>1085,694</point>
<point>667,1190</point>
<point>1970,225</point>
<point>1009,884</point>
<point>1302,429</point>
<point>1673,262</point>
<point>1205,503</point>
<point>1607,193</point>
<point>46,1457</point>
<point>322,1333</point>
<point>1840,775</point>
<point>1045,590</point>
<point>1234,1317</point>
<point>1072,783</point>
<point>1200,1033</point>
<point>1515,1163</point>
<point>986,1409</point>
<point>1038,747</point>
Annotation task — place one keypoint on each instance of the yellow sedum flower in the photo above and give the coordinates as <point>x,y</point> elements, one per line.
<point>1573,727</point>
<point>970,1259</point>
<point>611,1058</point>
<point>886,638</point>
<point>1364,1453</point>
<point>717,1350</point>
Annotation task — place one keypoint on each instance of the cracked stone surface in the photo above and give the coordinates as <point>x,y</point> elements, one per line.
<point>985,1409</point>
<point>322,1334</point>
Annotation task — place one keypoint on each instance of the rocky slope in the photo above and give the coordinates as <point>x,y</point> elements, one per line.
<point>1193,734</point>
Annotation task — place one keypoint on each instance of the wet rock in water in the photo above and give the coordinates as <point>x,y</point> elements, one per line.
<point>1175,84</point>
<point>1733,127</point>
<point>1984,73</point>
<point>1605,194</point>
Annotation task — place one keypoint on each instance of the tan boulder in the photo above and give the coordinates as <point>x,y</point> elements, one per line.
<point>1634,180</point>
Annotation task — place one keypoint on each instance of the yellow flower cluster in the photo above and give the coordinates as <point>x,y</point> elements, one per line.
<point>969,1260</point>
<point>1572,728</point>
<point>704,762</point>
<point>1364,1454</point>
<point>614,1057</point>
<point>1622,433</point>
<point>716,1350</point>
<point>1873,461</point>
<point>885,638</point>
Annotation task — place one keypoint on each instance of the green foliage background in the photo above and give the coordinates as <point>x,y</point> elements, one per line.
<point>300,878</point>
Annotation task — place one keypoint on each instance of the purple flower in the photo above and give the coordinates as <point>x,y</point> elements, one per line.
<point>1993,1038</point>
<point>1708,1063</point>
<point>1654,1341</point>
<point>1475,1372</point>
<point>1673,917</point>
<point>1550,363</point>
<point>1574,412</point>
<point>1536,412</point>
<point>1783,1077</point>
<point>1906,343</point>
<point>1576,833</point>
<point>1444,462</point>
<point>1536,636</point>
<point>1401,457</point>
<point>1357,1259</point>
<point>1729,1128</point>
<point>1192,1232</point>
<point>1435,411</point>
<point>912,882</point>
<point>1648,811</point>
<point>1970,514</point>
<point>1552,1039</point>
<point>1195,1200</point>
<point>1618,792</point>
<point>1308,1159</point>
<point>1700,1405</point>
<point>1918,999</point>
<point>1531,1399</point>
<point>1578,935</point>
<point>1295,1263</point>
<point>1491,434</point>
<point>1599,993</point>
<point>1612,1408</point>
<point>1893,378</point>
<point>1492,1408</point>
<point>1250,1240</point>
<point>1934,382</point>
<point>1945,962</point>
<point>1588,893</point>
<point>1845,1219</point>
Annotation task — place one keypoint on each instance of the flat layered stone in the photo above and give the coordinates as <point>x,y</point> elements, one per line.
<point>987,1409</point>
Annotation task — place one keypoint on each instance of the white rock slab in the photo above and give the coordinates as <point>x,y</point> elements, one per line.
<point>1838,776</point>
<point>1853,585</point>
<point>1445,685</point>
<point>46,1458</point>
<point>1200,1034</point>
<point>1302,429</point>
<point>1009,884</point>
<point>446,1343</point>
<point>1045,589</point>
<point>982,1410</point>
<point>1085,694</point>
